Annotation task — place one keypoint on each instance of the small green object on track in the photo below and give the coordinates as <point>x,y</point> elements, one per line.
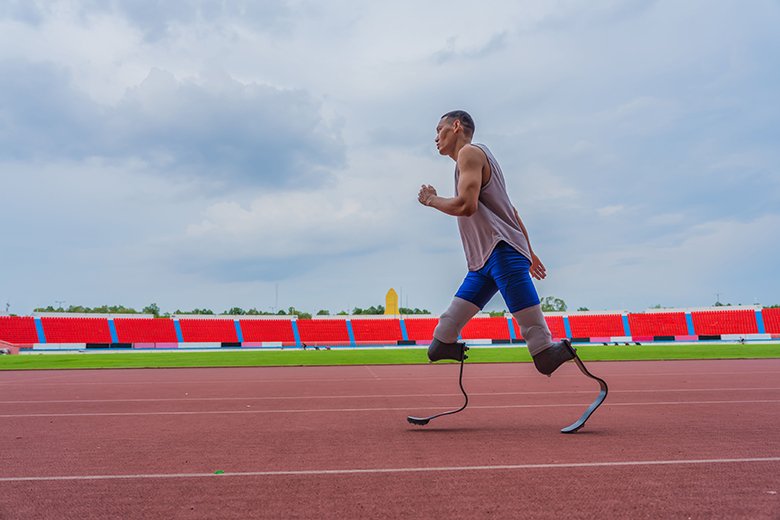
<point>219,472</point>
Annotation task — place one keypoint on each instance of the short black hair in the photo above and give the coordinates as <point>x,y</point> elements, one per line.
<point>464,117</point>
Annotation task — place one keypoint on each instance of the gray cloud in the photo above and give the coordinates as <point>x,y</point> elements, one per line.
<point>43,117</point>
<point>24,11</point>
<point>220,129</point>
<point>496,43</point>
<point>259,268</point>
<point>638,140</point>
<point>157,19</point>
<point>578,14</point>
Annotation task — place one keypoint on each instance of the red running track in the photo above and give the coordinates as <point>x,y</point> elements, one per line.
<point>677,439</point>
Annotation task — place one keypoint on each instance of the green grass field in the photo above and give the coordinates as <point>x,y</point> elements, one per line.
<point>371,357</point>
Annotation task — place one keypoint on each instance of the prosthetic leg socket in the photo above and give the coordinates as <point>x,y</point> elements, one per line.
<point>454,351</point>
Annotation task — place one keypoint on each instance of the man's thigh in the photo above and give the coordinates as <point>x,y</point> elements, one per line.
<point>510,272</point>
<point>477,288</point>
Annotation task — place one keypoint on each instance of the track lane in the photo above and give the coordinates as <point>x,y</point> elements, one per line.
<point>485,435</point>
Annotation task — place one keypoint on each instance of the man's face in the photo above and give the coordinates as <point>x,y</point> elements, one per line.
<point>445,136</point>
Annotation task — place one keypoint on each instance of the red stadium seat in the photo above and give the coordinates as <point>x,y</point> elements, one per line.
<point>18,329</point>
<point>658,324</point>
<point>323,331</point>
<point>373,330</point>
<point>741,321</point>
<point>145,330</point>
<point>486,328</point>
<point>76,330</point>
<point>207,330</point>
<point>376,330</point>
<point>267,330</point>
<point>596,325</point>
<point>771,320</point>
<point>420,329</point>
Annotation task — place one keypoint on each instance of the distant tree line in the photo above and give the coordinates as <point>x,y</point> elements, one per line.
<point>549,304</point>
<point>291,311</point>
<point>103,309</point>
<point>154,310</point>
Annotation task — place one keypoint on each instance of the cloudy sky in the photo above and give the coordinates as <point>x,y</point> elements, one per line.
<point>268,153</point>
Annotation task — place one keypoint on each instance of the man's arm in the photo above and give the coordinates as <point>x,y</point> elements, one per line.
<point>537,270</point>
<point>470,163</point>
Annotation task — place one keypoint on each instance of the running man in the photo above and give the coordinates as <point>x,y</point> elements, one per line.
<point>498,250</point>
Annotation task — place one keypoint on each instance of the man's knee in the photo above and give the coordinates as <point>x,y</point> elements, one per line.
<point>534,328</point>
<point>446,330</point>
<point>454,319</point>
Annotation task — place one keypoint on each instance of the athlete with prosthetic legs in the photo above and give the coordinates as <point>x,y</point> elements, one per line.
<point>497,246</point>
<point>499,257</point>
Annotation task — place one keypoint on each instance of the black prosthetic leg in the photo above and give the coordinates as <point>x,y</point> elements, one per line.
<point>436,352</point>
<point>550,359</point>
<point>439,350</point>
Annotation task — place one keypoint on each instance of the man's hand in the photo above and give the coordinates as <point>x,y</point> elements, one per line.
<point>427,192</point>
<point>537,268</point>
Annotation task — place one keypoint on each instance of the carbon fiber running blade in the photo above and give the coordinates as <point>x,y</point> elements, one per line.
<point>422,421</point>
<point>579,423</point>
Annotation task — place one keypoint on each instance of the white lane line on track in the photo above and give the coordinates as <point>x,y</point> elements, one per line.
<point>378,471</point>
<point>379,409</point>
<point>342,380</point>
<point>379,396</point>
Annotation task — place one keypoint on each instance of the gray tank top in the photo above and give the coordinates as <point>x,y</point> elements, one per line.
<point>494,220</point>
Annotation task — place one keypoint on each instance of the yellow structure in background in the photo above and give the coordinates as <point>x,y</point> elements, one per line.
<point>391,302</point>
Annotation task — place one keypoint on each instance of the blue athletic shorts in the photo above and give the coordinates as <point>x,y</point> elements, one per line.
<point>506,270</point>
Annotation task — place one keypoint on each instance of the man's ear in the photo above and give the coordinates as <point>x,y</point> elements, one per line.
<point>456,126</point>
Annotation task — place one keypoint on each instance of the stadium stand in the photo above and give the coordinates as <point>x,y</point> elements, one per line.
<point>267,330</point>
<point>658,324</point>
<point>420,329</point>
<point>724,322</point>
<point>596,325</point>
<point>486,328</point>
<point>18,329</point>
<point>771,320</point>
<point>207,330</point>
<point>377,330</point>
<point>316,332</point>
<point>145,330</point>
<point>76,330</point>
